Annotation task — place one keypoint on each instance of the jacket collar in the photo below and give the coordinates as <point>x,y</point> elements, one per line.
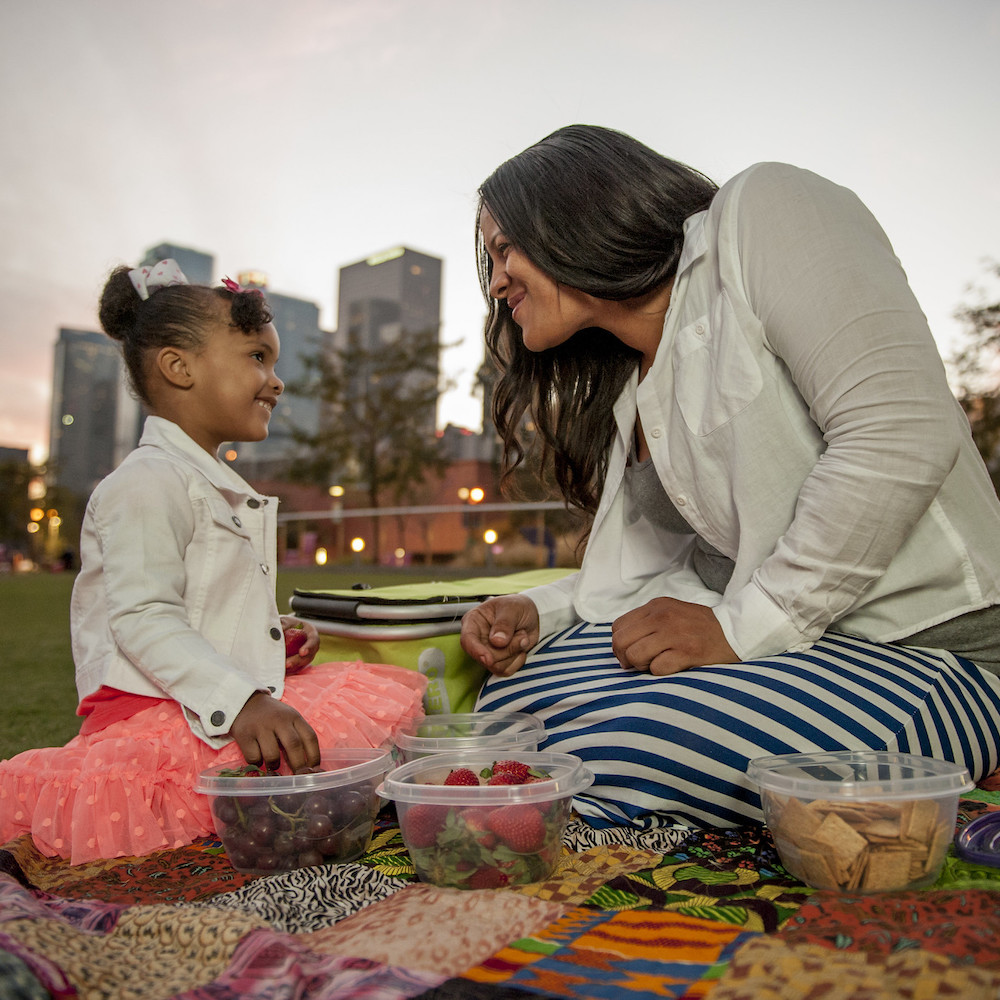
<point>159,432</point>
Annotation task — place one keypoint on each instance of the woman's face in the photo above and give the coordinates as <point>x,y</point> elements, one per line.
<point>547,313</point>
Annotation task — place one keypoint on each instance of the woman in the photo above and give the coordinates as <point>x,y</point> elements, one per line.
<point>794,542</point>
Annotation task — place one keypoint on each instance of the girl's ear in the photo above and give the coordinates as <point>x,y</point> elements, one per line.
<point>173,364</point>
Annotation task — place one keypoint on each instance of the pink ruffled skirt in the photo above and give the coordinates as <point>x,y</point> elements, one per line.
<point>128,789</point>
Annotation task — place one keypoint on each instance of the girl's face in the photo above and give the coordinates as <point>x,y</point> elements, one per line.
<point>547,313</point>
<point>233,385</point>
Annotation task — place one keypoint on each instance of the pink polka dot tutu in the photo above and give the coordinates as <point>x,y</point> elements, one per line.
<point>128,789</point>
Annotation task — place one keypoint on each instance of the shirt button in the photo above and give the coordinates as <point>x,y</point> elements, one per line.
<point>253,502</point>
<point>237,521</point>
<point>218,718</point>
<point>700,329</point>
<point>681,501</point>
<point>264,569</point>
<point>275,633</point>
<point>656,432</point>
<point>271,688</point>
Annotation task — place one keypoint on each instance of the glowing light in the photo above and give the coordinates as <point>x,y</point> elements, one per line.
<point>67,419</point>
<point>321,556</point>
<point>357,545</point>
<point>477,494</point>
<point>463,493</point>
<point>55,521</point>
<point>231,455</point>
<point>489,536</point>
<point>336,491</point>
<point>400,553</point>
<point>36,514</point>
<point>32,528</point>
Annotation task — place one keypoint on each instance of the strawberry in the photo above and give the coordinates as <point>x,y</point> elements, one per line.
<point>487,878</point>
<point>516,768</point>
<point>422,823</point>
<point>521,827</point>
<point>461,776</point>
<point>505,778</point>
<point>295,638</point>
<point>475,820</point>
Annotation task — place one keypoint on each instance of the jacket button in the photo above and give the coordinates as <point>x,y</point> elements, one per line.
<point>264,569</point>
<point>271,688</point>
<point>237,521</point>
<point>276,634</point>
<point>253,502</point>
<point>218,718</point>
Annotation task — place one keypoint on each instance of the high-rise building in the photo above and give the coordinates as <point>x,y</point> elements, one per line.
<point>197,266</point>
<point>297,323</point>
<point>386,296</point>
<point>85,386</point>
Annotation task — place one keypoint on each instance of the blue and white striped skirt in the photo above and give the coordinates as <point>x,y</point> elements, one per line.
<point>674,750</point>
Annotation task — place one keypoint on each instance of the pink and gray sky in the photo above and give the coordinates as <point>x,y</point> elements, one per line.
<point>302,135</point>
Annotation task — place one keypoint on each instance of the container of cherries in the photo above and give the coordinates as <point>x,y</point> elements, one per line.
<point>269,821</point>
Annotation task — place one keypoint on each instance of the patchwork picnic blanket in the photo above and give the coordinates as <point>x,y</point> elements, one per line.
<point>668,913</point>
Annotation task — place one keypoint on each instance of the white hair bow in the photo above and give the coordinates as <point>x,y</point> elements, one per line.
<point>148,279</point>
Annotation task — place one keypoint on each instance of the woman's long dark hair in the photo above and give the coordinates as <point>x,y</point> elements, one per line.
<point>600,212</point>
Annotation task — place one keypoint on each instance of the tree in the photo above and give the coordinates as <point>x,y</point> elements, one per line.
<point>377,428</point>
<point>976,374</point>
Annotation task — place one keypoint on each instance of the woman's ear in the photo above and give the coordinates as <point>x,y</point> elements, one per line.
<point>173,364</point>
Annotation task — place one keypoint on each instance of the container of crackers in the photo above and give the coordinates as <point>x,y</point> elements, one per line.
<point>860,821</point>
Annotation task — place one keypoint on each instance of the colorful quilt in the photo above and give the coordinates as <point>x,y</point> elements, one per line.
<point>669,913</point>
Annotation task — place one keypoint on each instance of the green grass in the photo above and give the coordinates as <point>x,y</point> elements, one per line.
<point>39,703</point>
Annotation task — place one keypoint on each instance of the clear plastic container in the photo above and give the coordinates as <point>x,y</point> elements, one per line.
<point>860,821</point>
<point>484,836</point>
<point>277,822</point>
<point>499,732</point>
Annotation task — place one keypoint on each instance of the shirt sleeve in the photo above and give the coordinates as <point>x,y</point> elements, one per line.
<point>142,548</point>
<point>837,309</point>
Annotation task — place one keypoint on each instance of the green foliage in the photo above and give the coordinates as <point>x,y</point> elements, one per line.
<point>975,368</point>
<point>378,425</point>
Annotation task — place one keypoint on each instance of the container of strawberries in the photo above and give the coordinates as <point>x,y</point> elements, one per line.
<point>471,820</point>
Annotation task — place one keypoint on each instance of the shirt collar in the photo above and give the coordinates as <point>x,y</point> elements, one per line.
<point>695,242</point>
<point>162,433</point>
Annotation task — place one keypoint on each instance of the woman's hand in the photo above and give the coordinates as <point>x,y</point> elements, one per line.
<point>499,633</point>
<point>303,656</point>
<point>266,728</point>
<point>667,635</point>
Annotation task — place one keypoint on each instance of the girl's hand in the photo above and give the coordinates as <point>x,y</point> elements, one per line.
<point>303,656</point>
<point>499,632</point>
<point>267,728</point>
<point>667,635</point>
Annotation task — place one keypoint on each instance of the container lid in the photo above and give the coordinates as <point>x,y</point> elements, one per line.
<point>435,733</point>
<point>859,774</point>
<point>341,767</point>
<point>421,780</point>
<point>979,840</point>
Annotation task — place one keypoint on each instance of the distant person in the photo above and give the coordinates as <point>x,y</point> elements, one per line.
<point>179,648</point>
<point>793,542</point>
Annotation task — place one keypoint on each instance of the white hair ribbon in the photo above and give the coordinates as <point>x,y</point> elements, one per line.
<point>148,279</point>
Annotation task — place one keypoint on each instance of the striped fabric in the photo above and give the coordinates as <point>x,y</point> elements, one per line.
<point>674,750</point>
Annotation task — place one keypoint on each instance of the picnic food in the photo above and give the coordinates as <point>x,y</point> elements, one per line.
<point>485,835</point>
<point>863,821</point>
<point>295,638</point>
<point>270,822</point>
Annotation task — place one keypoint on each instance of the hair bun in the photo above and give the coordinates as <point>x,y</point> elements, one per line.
<point>119,306</point>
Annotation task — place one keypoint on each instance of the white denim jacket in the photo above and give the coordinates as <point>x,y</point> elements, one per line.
<point>175,595</point>
<point>798,416</point>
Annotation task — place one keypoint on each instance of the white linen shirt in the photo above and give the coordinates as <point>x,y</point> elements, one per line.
<point>175,596</point>
<point>798,416</point>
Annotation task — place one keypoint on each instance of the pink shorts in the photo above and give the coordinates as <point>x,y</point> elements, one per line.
<point>128,789</point>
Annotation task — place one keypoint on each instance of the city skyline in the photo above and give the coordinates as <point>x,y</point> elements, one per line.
<point>295,139</point>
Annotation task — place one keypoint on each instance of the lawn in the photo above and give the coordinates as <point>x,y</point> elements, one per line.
<point>39,706</point>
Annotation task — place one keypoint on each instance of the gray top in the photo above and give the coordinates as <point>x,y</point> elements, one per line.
<point>974,635</point>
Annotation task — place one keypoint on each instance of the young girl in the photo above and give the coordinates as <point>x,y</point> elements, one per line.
<point>178,644</point>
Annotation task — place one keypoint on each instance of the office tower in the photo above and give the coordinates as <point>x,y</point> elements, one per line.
<point>197,268</point>
<point>297,323</point>
<point>85,386</point>
<point>390,295</point>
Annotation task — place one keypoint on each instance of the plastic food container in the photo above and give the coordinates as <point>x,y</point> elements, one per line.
<point>860,821</point>
<point>499,732</point>
<point>484,836</point>
<point>277,822</point>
